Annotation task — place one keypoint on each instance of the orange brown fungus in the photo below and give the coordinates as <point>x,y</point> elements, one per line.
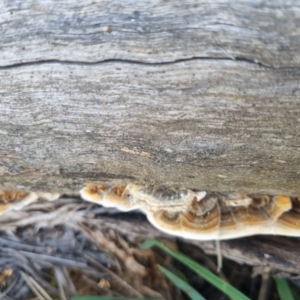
<point>12,196</point>
<point>260,201</point>
<point>296,204</point>
<point>169,219</point>
<point>96,189</point>
<point>226,218</point>
<point>207,222</point>
<point>253,216</point>
<point>196,215</point>
<point>119,190</point>
<point>16,200</point>
<point>283,202</point>
<point>292,218</point>
<point>280,205</point>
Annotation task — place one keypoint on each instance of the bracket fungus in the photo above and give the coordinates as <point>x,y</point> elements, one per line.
<point>200,215</point>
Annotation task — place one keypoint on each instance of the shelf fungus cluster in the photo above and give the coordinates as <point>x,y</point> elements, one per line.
<point>16,200</point>
<point>202,216</point>
<point>186,213</point>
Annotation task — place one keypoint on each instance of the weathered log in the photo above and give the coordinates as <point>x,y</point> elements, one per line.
<point>203,95</point>
<point>187,123</point>
<point>150,32</point>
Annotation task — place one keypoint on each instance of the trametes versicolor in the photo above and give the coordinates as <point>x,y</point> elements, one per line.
<point>202,216</point>
<point>186,213</point>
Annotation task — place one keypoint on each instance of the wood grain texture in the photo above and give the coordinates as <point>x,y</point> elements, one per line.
<point>211,125</point>
<point>150,31</point>
<point>205,95</point>
<point>199,94</point>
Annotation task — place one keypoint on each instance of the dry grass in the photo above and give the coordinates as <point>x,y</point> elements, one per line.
<point>59,250</point>
<point>56,250</point>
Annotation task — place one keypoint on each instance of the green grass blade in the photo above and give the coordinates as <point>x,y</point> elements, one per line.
<point>283,289</point>
<point>181,284</point>
<point>109,298</point>
<point>226,288</point>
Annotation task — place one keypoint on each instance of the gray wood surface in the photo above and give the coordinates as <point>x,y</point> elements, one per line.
<point>63,125</point>
<point>204,95</point>
<point>193,93</point>
<point>265,32</point>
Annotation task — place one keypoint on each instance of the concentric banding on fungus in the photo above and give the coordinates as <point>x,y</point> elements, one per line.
<point>195,215</point>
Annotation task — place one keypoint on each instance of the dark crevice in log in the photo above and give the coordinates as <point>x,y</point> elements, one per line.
<point>127,61</point>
